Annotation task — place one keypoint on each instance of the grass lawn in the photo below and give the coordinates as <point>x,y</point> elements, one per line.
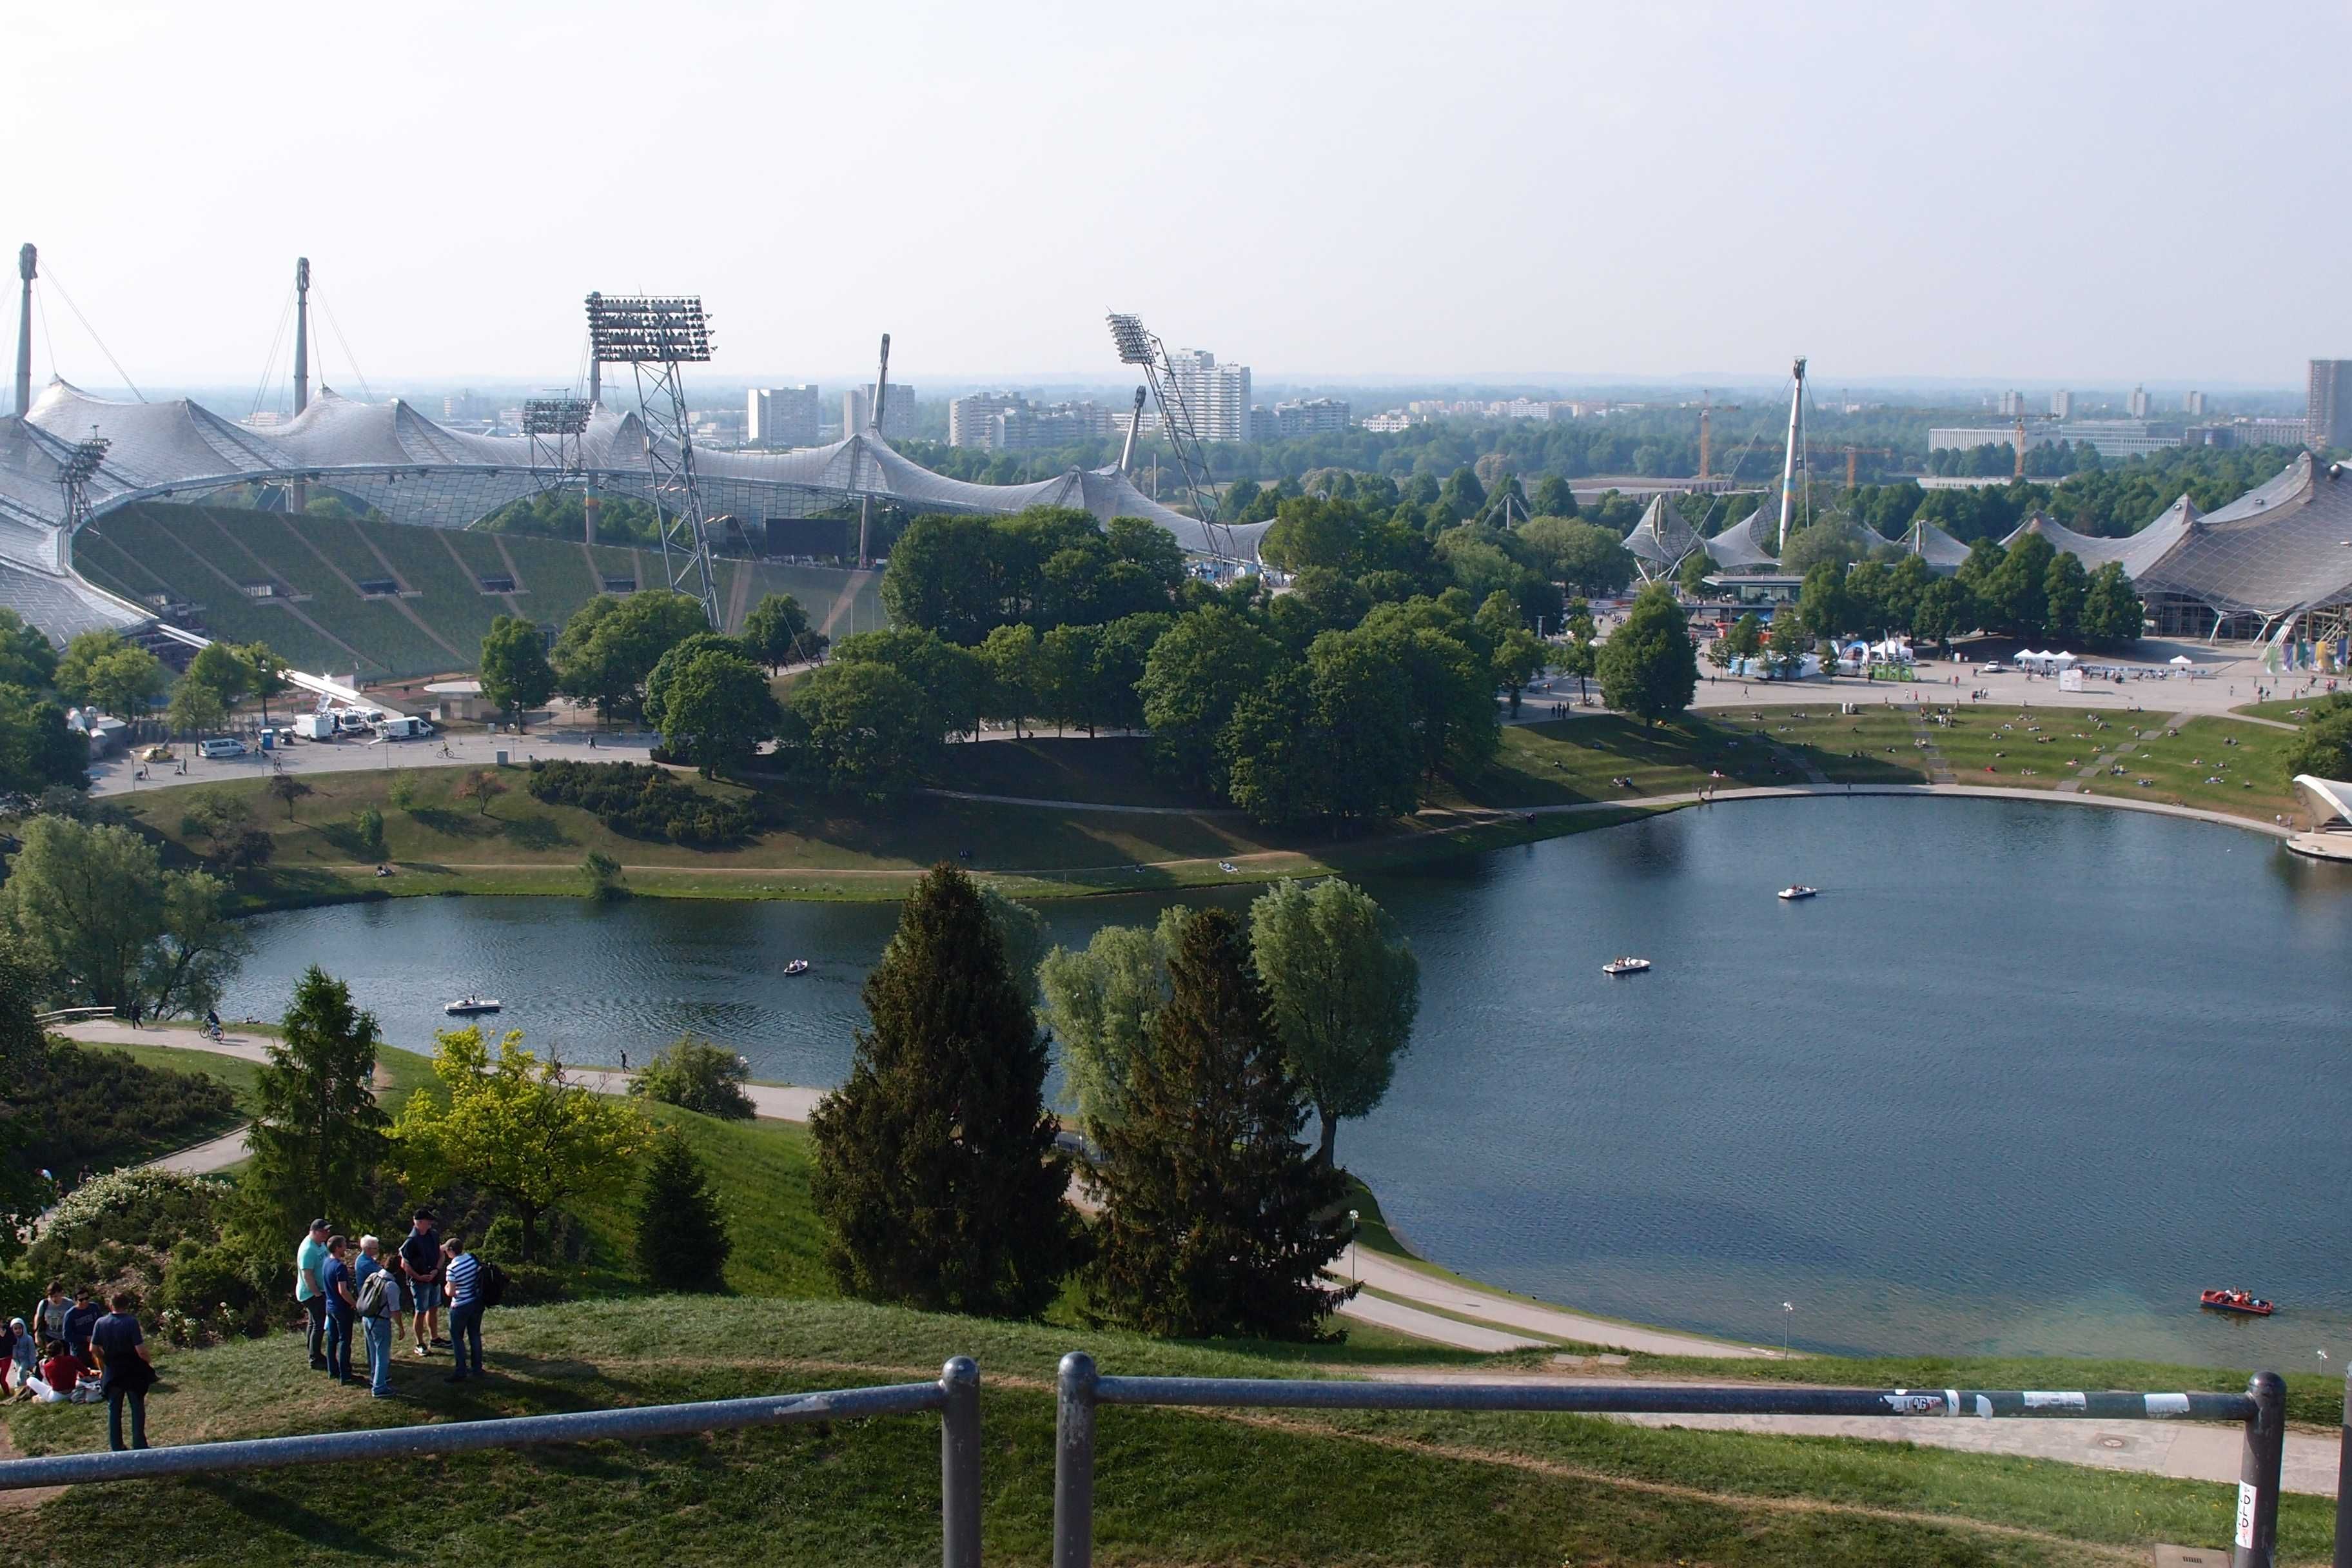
<point>2286,710</point>
<point>1173,1487</point>
<point>2216,764</point>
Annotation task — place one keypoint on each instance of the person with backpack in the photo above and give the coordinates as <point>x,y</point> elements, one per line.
<point>379,1301</point>
<point>463,1273</point>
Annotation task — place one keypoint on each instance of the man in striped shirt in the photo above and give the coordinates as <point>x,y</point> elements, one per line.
<point>462,1275</point>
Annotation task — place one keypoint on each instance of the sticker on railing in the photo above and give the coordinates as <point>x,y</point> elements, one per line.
<point>2039,1399</point>
<point>1903,1402</point>
<point>2167,1405</point>
<point>2246,1495</point>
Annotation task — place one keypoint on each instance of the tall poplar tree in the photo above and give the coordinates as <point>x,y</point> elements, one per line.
<point>319,1134</point>
<point>936,1173</point>
<point>1216,1220</point>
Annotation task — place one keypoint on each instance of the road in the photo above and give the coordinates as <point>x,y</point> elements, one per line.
<point>117,775</point>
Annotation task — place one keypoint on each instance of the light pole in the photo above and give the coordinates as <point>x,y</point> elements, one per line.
<point>1787,1308</point>
<point>1353,1275</point>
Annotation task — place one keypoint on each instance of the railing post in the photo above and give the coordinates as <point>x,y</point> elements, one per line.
<point>2254,1543</point>
<point>2343,1484</point>
<point>1074,1463</point>
<point>959,1464</point>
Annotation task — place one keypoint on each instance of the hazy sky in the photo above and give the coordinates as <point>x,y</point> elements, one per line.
<point>2093,192</point>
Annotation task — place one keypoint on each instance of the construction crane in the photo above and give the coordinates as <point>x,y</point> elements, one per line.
<point>1850,453</point>
<point>1706,436</point>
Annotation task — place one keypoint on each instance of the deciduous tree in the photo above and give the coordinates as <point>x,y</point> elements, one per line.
<point>693,1073</point>
<point>1344,989</point>
<point>515,672</point>
<point>1648,668</point>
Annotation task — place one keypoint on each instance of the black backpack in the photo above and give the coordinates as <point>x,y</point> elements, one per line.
<point>490,1286</point>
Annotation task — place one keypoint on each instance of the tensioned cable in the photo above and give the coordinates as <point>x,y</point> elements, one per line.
<point>348,358</point>
<point>51,274</point>
<point>261,387</point>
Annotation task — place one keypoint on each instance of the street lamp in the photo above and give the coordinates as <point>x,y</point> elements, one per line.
<point>1352,1272</point>
<point>1786,1309</point>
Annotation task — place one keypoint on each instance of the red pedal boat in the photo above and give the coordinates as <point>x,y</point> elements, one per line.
<point>2243,1302</point>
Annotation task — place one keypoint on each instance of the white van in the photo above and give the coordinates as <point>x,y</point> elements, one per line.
<point>220,748</point>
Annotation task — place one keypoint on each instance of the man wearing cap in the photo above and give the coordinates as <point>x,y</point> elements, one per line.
<point>421,1261</point>
<point>309,1258</point>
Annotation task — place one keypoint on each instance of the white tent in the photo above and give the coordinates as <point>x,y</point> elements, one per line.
<point>2182,658</point>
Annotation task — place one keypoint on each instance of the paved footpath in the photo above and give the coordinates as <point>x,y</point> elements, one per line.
<point>2184,1450</point>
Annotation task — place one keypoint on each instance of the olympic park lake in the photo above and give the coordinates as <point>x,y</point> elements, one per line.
<point>2023,1079</point>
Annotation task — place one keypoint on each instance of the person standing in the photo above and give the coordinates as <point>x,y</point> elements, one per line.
<point>378,1303</point>
<point>464,1272</point>
<point>49,1316</point>
<point>343,1308</point>
<point>80,1320</point>
<point>309,1258</point>
<point>129,1371</point>
<point>421,1261</point>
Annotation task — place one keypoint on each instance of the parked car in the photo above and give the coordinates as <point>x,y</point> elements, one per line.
<point>156,754</point>
<point>225,747</point>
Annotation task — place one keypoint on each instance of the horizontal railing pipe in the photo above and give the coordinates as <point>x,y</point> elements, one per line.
<point>468,1436</point>
<point>1656,1399</point>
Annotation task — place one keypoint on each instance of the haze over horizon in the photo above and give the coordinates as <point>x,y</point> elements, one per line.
<point>2107,195</point>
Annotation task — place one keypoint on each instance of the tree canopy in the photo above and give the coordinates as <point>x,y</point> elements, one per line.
<point>1648,668</point>
<point>317,1133</point>
<point>516,674</point>
<point>1344,991</point>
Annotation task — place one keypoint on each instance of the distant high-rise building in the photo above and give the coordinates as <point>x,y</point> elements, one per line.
<point>2062,405</point>
<point>781,416</point>
<point>2328,417</point>
<point>1311,417</point>
<point>1217,397</point>
<point>968,419</point>
<point>2193,404</point>
<point>2012,403</point>
<point>2138,404</point>
<point>897,411</point>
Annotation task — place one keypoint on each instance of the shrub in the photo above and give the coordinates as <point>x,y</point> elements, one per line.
<point>682,1241</point>
<point>602,875</point>
<point>367,824</point>
<point>697,1076</point>
<point>210,1292</point>
<point>638,801</point>
<point>82,1108</point>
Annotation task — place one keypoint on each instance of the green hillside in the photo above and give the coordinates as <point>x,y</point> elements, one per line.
<point>321,622</point>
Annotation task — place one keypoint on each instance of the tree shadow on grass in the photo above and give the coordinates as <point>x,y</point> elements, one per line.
<point>536,833</point>
<point>455,823</point>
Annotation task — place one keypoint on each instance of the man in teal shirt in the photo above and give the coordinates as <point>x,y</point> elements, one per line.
<point>309,1258</point>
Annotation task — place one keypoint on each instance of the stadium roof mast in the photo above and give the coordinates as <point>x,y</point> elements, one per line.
<point>1795,457</point>
<point>873,423</point>
<point>27,263</point>
<point>1141,348</point>
<point>653,335</point>
<point>301,496</point>
<point>1134,428</point>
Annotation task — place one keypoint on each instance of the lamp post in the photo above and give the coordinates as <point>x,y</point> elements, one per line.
<point>1787,1308</point>
<point>1353,1275</point>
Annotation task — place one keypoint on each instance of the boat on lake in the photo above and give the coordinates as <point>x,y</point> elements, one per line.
<point>472,1006</point>
<point>1625,967</point>
<point>797,966</point>
<point>1798,891</point>
<point>2242,1301</point>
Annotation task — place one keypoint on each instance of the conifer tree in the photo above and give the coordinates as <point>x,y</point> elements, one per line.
<point>936,1174</point>
<point>319,1135</point>
<point>682,1241</point>
<point>1217,1221</point>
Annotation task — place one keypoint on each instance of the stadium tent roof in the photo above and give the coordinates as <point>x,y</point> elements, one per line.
<point>1736,548</point>
<point>2333,797</point>
<point>2282,548</point>
<point>1661,538</point>
<point>391,457</point>
<point>1940,550</point>
<point>2136,554</point>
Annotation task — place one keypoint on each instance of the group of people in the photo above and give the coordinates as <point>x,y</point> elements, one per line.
<point>73,1350</point>
<point>343,1288</point>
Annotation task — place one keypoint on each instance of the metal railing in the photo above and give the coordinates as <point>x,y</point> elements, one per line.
<point>1081,1390</point>
<point>956,1396</point>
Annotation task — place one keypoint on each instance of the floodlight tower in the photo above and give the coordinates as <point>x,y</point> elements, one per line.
<point>73,480</point>
<point>1794,458</point>
<point>1141,348</point>
<point>653,335</point>
<point>28,260</point>
<point>592,504</point>
<point>554,426</point>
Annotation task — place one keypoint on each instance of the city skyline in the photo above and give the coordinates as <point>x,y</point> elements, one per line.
<point>1621,198</point>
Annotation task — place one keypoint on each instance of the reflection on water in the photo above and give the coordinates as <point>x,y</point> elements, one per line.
<point>2022,1078</point>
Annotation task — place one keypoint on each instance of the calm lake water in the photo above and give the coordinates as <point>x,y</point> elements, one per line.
<point>2022,1078</point>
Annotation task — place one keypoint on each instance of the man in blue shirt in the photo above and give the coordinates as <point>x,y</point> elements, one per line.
<point>122,1352</point>
<point>309,1258</point>
<point>464,1272</point>
<point>343,1301</point>
<point>80,1318</point>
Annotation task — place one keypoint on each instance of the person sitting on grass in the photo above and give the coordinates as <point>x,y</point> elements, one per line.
<point>59,1372</point>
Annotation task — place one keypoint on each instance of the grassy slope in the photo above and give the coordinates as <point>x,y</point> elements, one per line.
<point>1174,1486</point>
